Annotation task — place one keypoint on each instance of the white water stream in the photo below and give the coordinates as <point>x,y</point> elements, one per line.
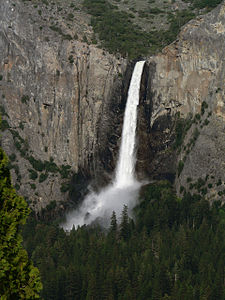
<point>124,189</point>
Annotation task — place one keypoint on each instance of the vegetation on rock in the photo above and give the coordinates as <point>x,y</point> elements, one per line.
<point>116,28</point>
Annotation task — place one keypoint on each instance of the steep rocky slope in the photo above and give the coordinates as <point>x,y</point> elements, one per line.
<point>62,103</point>
<point>55,98</point>
<point>187,82</point>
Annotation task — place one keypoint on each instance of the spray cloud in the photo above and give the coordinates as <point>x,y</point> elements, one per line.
<point>124,189</point>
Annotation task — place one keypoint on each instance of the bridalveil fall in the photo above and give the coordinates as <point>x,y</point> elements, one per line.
<point>124,188</point>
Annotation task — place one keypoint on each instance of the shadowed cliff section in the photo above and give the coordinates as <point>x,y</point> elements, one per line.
<point>154,142</point>
<point>110,130</point>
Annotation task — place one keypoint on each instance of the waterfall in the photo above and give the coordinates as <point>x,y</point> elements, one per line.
<point>127,158</point>
<point>124,189</point>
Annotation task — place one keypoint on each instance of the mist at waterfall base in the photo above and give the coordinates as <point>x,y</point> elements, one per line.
<point>125,188</point>
<point>99,206</point>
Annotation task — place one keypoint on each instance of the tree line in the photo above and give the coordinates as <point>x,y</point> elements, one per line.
<point>172,249</point>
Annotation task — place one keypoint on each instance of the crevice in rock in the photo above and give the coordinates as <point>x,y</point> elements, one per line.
<point>109,129</point>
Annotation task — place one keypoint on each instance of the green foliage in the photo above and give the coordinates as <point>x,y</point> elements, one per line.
<point>55,28</point>
<point>33,186</point>
<point>203,107</point>
<point>51,205</point>
<point>12,157</point>
<point>205,3</point>
<point>19,279</point>
<point>118,34</point>
<point>206,122</point>
<point>176,21</point>
<point>37,164</point>
<point>65,171</point>
<point>67,37</point>
<point>43,177</point>
<point>200,183</point>
<point>179,133</point>
<point>21,125</point>
<point>219,182</point>
<point>4,125</point>
<point>17,187</point>
<point>2,110</point>
<point>155,11</point>
<point>85,40</point>
<point>113,224</point>
<point>182,127</point>
<point>1,77</point>
<point>191,142</point>
<point>70,16</point>
<point>174,250</point>
<point>50,166</point>
<point>221,193</point>
<point>21,144</point>
<point>189,179</point>
<point>198,117</point>
<point>124,225</point>
<point>64,187</point>
<point>24,99</point>
<point>59,30</point>
<point>18,145</point>
<point>195,134</point>
<point>33,174</point>
<point>116,31</point>
<point>71,59</point>
<point>182,189</point>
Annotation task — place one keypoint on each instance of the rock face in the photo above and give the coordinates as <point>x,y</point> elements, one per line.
<point>187,80</point>
<point>62,104</point>
<point>55,95</point>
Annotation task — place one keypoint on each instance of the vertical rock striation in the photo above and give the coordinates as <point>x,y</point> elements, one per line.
<point>186,81</point>
<point>55,93</point>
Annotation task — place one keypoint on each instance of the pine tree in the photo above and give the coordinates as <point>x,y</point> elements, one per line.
<point>124,226</point>
<point>73,283</point>
<point>113,224</point>
<point>19,279</point>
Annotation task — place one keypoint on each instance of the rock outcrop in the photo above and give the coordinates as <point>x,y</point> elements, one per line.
<point>62,103</point>
<point>187,81</point>
<point>55,96</point>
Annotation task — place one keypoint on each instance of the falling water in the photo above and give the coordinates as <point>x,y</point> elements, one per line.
<point>124,189</point>
<point>126,165</point>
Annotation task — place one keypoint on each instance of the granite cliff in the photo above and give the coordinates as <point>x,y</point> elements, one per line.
<point>187,107</point>
<point>56,96</point>
<point>62,102</point>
